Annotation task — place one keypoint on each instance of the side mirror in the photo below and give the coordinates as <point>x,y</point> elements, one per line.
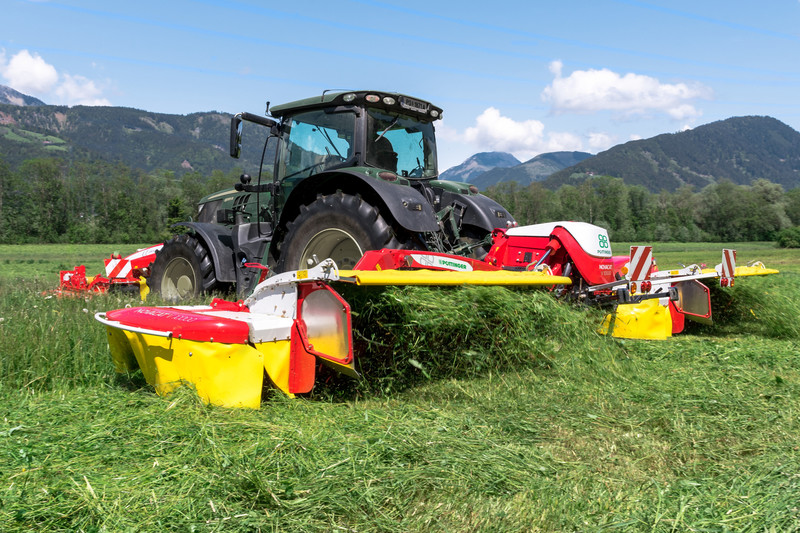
<point>236,136</point>
<point>236,129</point>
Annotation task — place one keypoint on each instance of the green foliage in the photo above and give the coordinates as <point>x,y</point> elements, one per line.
<point>94,174</point>
<point>789,238</point>
<point>721,211</point>
<point>50,201</point>
<point>793,205</point>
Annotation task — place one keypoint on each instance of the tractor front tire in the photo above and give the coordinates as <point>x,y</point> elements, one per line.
<point>182,270</point>
<point>338,226</point>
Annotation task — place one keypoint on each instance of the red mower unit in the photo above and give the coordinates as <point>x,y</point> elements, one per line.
<point>645,303</point>
<point>295,319</point>
<point>121,273</point>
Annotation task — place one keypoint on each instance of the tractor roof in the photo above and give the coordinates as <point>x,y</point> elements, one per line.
<point>384,100</point>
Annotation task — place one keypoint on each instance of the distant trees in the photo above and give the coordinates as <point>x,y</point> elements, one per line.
<point>722,211</point>
<point>92,201</point>
<point>47,201</point>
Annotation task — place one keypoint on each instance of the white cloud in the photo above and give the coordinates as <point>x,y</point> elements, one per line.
<point>77,90</point>
<point>524,139</point>
<point>503,133</point>
<point>561,141</point>
<point>600,141</point>
<point>588,91</point>
<point>28,73</point>
<point>31,74</point>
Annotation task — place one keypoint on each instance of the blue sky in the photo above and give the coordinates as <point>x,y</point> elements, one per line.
<point>520,76</point>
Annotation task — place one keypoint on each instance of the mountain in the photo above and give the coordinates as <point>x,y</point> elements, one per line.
<point>739,149</point>
<point>536,169</point>
<point>477,165</point>
<point>139,139</point>
<point>12,97</point>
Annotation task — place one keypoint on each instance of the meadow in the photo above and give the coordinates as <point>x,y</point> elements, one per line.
<point>480,409</point>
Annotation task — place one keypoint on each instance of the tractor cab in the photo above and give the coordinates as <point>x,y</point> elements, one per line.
<point>364,129</point>
<point>368,134</point>
<point>339,174</point>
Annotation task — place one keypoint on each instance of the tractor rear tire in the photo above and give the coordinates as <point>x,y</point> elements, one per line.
<point>182,270</point>
<point>338,226</point>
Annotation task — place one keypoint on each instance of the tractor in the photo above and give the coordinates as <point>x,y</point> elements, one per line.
<point>340,174</point>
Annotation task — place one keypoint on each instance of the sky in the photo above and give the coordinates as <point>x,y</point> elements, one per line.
<point>518,76</point>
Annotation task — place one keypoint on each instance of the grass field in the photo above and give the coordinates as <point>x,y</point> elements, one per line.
<point>43,261</point>
<point>482,409</point>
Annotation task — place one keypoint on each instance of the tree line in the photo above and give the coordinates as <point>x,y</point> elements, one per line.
<point>722,211</point>
<point>50,201</point>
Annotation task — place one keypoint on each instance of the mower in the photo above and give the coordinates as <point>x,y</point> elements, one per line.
<point>295,319</point>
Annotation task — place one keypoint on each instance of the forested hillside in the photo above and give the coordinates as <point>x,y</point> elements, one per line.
<point>739,149</point>
<point>139,139</point>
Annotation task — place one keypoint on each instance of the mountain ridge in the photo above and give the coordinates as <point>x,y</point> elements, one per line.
<point>739,149</point>
<point>13,97</point>
<point>478,164</point>
<point>533,170</point>
<point>140,139</point>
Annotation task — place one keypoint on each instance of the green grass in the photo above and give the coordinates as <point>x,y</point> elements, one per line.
<point>30,136</point>
<point>482,409</point>
<point>43,261</point>
<point>672,254</point>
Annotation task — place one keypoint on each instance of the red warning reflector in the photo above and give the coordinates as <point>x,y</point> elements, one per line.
<point>641,263</point>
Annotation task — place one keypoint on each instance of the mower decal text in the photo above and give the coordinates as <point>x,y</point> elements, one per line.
<point>168,314</point>
<point>436,261</point>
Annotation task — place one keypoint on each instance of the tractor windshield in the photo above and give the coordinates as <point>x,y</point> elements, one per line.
<point>401,144</point>
<point>317,140</point>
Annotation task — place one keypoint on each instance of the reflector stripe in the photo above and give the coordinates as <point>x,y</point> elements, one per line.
<point>641,262</point>
<point>728,263</point>
<point>118,268</point>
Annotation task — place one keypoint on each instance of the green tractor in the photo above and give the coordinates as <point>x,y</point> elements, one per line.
<point>340,174</point>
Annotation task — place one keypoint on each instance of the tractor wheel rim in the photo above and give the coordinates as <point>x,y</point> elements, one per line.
<point>179,279</point>
<point>333,243</point>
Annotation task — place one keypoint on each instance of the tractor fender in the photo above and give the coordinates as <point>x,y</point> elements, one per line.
<point>481,211</point>
<point>217,239</point>
<point>407,206</point>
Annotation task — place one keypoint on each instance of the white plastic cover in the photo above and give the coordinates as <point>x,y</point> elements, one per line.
<point>592,239</point>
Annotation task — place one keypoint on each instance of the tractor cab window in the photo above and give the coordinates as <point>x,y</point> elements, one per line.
<point>316,141</point>
<point>401,144</point>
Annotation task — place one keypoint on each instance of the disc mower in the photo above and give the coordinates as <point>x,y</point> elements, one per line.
<point>295,319</point>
